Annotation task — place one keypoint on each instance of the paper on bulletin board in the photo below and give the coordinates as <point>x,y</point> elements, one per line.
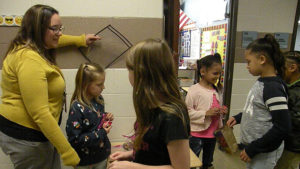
<point>185,43</point>
<point>248,37</point>
<point>282,39</point>
<point>214,40</point>
<point>195,44</point>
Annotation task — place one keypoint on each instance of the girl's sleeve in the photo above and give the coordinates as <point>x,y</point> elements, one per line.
<point>196,116</point>
<point>77,133</point>
<point>173,128</point>
<point>238,117</point>
<point>68,40</point>
<point>33,85</point>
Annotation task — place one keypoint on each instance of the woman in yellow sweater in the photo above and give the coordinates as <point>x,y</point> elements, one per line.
<point>33,93</point>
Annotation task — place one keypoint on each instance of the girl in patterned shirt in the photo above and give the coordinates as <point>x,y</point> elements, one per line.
<point>88,124</point>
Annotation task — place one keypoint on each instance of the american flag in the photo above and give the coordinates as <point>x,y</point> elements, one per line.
<point>183,20</point>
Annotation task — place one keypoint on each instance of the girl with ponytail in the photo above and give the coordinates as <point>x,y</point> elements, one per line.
<point>88,124</point>
<point>265,119</point>
<point>203,101</point>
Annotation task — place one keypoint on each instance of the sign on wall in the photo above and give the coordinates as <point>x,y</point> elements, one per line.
<point>282,39</point>
<point>248,37</point>
<point>10,20</point>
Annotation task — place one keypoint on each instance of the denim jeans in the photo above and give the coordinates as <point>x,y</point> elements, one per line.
<point>208,146</point>
<point>266,160</point>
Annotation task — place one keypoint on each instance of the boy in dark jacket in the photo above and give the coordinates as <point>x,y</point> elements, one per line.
<point>290,158</point>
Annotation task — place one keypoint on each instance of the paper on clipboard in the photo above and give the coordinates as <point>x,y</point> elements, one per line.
<point>108,49</point>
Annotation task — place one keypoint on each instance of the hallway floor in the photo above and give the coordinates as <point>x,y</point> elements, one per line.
<point>224,160</point>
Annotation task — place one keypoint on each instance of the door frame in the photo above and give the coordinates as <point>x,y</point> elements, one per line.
<point>230,54</point>
<point>294,34</point>
<point>171,26</point>
<point>171,35</point>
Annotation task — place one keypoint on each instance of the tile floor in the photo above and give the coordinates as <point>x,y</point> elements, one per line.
<point>224,160</point>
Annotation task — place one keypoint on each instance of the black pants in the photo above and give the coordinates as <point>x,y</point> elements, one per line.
<point>208,146</point>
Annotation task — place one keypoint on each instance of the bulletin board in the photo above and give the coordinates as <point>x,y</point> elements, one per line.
<point>213,40</point>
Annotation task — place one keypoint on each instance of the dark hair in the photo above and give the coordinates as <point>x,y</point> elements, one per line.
<point>208,61</point>
<point>269,47</point>
<point>33,30</point>
<point>294,56</point>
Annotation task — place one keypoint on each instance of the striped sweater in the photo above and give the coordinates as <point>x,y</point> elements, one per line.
<point>265,120</point>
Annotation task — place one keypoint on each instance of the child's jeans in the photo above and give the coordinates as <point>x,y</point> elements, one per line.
<point>208,146</point>
<point>266,160</point>
<point>100,165</point>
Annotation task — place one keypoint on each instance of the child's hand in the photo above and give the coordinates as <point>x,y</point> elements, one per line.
<point>212,112</point>
<point>109,117</point>
<point>121,155</point>
<point>223,110</point>
<point>231,122</point>
<point>244,156</point>
<point>107,128</point>
<point>120,165</point>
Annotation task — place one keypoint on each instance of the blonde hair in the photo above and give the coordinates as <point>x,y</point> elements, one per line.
<point>155,82</point>
<point>86,74</point>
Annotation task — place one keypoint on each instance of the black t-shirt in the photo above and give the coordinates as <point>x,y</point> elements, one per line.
<point>165,128</point>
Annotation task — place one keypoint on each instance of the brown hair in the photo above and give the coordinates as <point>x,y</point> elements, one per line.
<point>86,74</point>
<point>33,30</point>
<point>155,82</point>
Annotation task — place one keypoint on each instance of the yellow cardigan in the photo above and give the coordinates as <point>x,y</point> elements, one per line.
<point>32,95</point>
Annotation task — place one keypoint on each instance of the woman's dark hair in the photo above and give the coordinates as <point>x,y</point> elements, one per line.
<point>33,29</point>
<point>269,47</point>
<point>207,62</point>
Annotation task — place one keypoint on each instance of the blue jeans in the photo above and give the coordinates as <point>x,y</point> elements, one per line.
<point>208,146</point>
<point>266,160</point>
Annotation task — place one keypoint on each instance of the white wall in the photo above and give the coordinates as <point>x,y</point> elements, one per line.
<point>297,43</point>
<point>266,15</point>
<point>97,8</point>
